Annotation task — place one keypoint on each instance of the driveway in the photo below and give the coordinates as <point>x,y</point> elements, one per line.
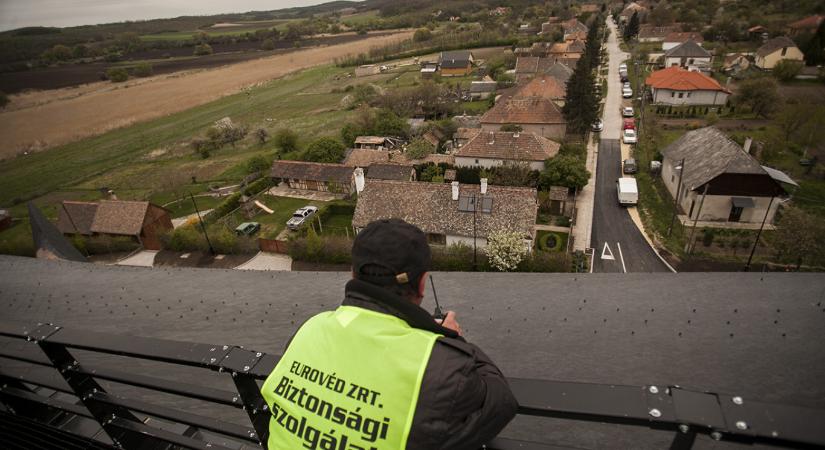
<point>145,258</point>
<point>618,244</point>
<point>267,261</point>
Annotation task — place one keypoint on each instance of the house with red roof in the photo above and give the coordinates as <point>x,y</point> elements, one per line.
<point>808,25</point>
<point>678,86</point>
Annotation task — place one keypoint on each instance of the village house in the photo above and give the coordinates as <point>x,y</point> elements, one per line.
<point>463,135</point>
<point>367,70</point>
<point>739,189</point>
<point>688,54</point>
<point>568,49</point>
<point>428,69</point>
<point>456,64</point>
<point>536,115</point>
<point>653,33</point>
<point>312,176</point>
<point>397,172</point>
<point>544,86</point>
<point>376,142</point>
<point>808,25</point>
<point>780,48</point>
<point>588,8</point>
<point>497,148</point>
<point>553,24</point>
<point>573,30</point>
<point>758,31</point>
<point>143,221</point>
<point>482,90</point>
<point>630,9</point>
<point>450,213</point>
<point>361,157</point>
<point>677,38</point>
<point>735,63</point>
<point>528,67</point>
<point>678,86</point>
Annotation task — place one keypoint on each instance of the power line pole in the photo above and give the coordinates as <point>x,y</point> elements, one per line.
<point>681,168</point>
<point>758,234</point>
<point>203,227</point>
<point>689,246</point>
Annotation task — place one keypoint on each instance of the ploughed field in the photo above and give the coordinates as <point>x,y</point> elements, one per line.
<point>164,61</point>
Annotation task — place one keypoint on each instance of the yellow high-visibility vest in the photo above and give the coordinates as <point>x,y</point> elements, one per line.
<point>349,380</point>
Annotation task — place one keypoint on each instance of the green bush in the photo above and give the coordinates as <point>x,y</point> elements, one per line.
<point>110,244</point>
<point>707,237</point>
<point>186,238</point>
<point>545,262</point>
<point>268,44</point>
<point>203,49</point>
<point>321,249</point>
<point>456,258</point>
<point>117,74</point>
<point>143,70</point>
<point>549,242</point>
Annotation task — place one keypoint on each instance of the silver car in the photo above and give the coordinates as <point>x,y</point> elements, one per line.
<point>300,216</point>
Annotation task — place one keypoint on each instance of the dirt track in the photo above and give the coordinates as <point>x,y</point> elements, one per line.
<point>101,106</point>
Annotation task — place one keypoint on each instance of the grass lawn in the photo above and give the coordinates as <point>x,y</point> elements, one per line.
<point>272,224</point>
<point>478,107</point>
<point>338,224</point>
<point>358,19</point>
<point>541,239</point>
<point>184,207</point>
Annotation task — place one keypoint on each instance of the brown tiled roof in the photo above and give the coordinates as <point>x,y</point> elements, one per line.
<point>400,172</point>
<point>119,217</point>
<point>542,86</point>
<point>76,217</point>
<point>466,133</point>
<point>435,158</point>
<point>430,207</point>
<point>653,31</point>
<point>680,36</point>
<point>370,140</point>
<point>510,146</point>
<point>775,44</point>
<point>524,110</point>
<point>302,170</point>
<point>365,157</point>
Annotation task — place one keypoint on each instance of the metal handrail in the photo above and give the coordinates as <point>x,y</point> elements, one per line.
<point>685,412</point>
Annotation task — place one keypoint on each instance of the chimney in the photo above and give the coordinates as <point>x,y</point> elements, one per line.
<point>359,180</point>
<point>516,134</point>
<point>747,146</point>
<point>112,195</point>
<point>483,186</point>
<point>455,190</point>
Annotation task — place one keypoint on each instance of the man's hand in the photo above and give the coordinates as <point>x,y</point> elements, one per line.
<point>450,322</point>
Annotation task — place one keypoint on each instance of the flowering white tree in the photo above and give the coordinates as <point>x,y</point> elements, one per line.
<point>505,249</point>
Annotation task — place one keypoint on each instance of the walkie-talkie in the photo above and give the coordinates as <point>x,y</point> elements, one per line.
<point>437,314</point>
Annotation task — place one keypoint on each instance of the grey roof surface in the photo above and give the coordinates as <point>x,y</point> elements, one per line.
<point>772,45</point>
<point>780,176</point>
<point>709,153</point>
<point>399,172</point>
<point>48,240</point>
<point>455,60</point>
<point>755,335</point>
<point>687,49</point>
<point>76,217</point>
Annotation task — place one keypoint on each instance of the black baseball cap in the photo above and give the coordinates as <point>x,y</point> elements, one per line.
<point>390,251</point>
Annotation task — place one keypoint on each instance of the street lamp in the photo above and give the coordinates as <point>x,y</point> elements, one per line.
<point>681,168</point>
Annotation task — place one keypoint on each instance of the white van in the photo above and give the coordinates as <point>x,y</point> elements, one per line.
<point>627,191</point>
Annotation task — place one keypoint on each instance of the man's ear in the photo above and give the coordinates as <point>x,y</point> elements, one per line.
<point>422,284</point>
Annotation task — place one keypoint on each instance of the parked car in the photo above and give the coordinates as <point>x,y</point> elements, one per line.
<point>300,216</point>
<point>622,67</point>
<point>623,77</point>
<point>627,93</point>
<point>629,136</point>
<point>628,124</point>
<point>247,228</point>
<point>597,126</point>
<point>627,111</point>
<point>629,166</point>
<point>626,84</point>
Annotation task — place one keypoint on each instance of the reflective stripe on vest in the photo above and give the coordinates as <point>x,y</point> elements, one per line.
<point>349,380</point>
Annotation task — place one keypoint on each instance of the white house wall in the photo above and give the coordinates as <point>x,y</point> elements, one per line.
<point>703,97</point>
<point>550,131</point>
<point>717,208</point>
<point>684,62</point>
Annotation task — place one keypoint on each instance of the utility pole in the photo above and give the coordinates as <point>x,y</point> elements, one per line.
<point>681,169</point>
<point>758,234</point>
<point>203,227</point>
<point>475,232</point>
<point>689,246</point>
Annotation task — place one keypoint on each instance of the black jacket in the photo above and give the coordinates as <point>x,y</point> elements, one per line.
<point>464,399</point>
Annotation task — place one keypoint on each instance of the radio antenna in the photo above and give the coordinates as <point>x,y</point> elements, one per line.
<point>437,314</point>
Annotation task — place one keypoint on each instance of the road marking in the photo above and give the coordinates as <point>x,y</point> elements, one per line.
<point>607,253</point>
<point>624,269</point>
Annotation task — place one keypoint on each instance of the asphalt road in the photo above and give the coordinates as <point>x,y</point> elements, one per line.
<point>617,242</point>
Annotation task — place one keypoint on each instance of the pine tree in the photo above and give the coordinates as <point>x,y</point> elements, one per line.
<point>632,28</point>
<point>581,108</point>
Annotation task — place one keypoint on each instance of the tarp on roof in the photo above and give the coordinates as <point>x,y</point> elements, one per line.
<point>780,176</point>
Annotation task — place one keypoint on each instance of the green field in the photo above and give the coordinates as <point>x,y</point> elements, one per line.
<point>363,18</point>
<point>244,27</point>
<point>154,161</point>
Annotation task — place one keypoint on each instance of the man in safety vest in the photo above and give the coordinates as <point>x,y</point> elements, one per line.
<point>379,372</point>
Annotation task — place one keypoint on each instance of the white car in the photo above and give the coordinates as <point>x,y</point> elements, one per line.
<point>300,216</point>
<point>626,85</point>
<point>629,136</point>
<point>623,67</point>
<point>627,111</point>
<point>597,126</point>
<point>627,93</point>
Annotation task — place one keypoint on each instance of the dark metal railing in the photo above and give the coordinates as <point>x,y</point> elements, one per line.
<point>51,365</point>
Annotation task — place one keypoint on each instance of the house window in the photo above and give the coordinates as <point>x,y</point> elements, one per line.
<point>672,94</point>
<point>476,161</point>
<point>688,95</point>
<point>690,61</point>
<point>436,239</point>
<point>681,94</point>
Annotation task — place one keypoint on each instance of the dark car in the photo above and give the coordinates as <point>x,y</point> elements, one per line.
<point>629,166</point>
<point>247,228</point>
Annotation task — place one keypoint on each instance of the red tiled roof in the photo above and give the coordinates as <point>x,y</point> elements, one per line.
<point>512,146</point>
<point>544,86</point>
<point>680,36</point>
<point>526,110</point>
<point>807,23</point>
<point>679,79</point>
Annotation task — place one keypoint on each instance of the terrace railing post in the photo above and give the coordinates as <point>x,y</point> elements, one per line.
<point>240,364</point>
<point>85,387</point>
